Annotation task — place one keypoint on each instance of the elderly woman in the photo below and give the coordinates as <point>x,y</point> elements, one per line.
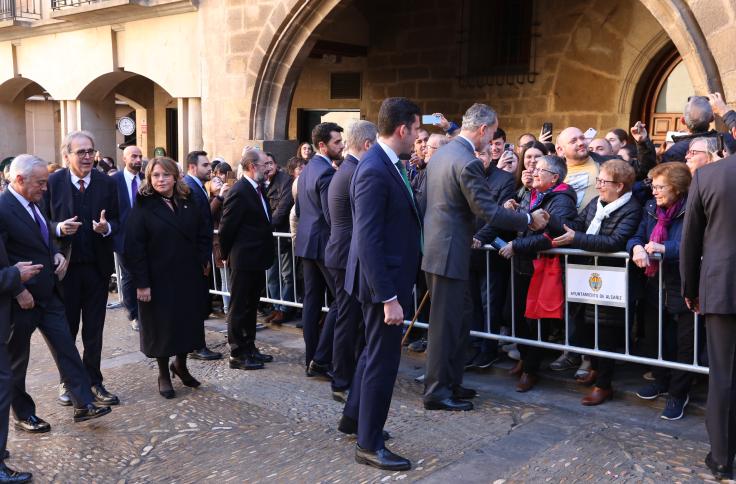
<point>559,200</point>
<point>701,152</point>
<point>659,233</point>
<point>605,225</point>
<point>166,248</point>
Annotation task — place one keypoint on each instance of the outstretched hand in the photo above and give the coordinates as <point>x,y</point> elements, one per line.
<point>102,226</point>
<point>564,239</point>
<point>540,219</point>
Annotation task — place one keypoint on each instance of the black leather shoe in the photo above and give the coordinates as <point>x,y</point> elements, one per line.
<point>381,459</point>
<point>245,363</point>
<point>9,476</point>
<point>451,404</point>
<point>262,357</point>
<point>33,425</point>
<point>103,397</point>
<point>719,471</point>
<point>186,378</point>
<point>65,398</point>
<point>89,412</point>
<point>350,427</point>
<point>462,393</point>
<point>319,370</point>
<point>205,354</point>
<point>166,390</point>
<point>340,396</point>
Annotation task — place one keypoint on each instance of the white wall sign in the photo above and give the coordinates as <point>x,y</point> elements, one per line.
<point>601,285</point>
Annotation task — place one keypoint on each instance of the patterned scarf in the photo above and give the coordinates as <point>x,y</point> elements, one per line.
<point>659,234</point>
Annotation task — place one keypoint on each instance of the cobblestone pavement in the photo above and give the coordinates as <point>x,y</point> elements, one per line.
<point>276,425</point>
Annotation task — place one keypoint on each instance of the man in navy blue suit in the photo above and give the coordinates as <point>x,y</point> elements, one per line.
<point>199,171</point>
<point>381,269</point>
<point>128,180</point>
<point>347,341</point>
<point>311,240</point>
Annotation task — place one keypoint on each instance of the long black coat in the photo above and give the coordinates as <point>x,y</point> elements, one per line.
<point>166,251</point>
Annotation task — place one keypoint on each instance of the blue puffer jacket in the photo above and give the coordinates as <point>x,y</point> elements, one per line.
<point>671,264</point>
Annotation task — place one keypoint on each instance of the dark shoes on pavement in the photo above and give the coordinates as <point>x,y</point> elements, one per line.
<point>65,398</point>
<point>262,357</point>
<point>165,388</point>
<point>135,325</point>
<point>565,361</point>
<point>246,363</point>
<point>33,425</point>
<point>9,476</point>
<point>381,459</point>
<point>451,404</point>
<point>597,396</point>
<point>462,393</point>
<point>588,379</point>
<point>319,370</point>
<point>205,354</point>
<point>340,396</point>
<point>418,346</point>
<point>719,471</point>
<point>650,391</point>
<point>89,412</point>
<point>350,427</point>
<point>103,397</point>
<point>674,409</point>
<point>526,382</point>
<point>183,373</point>
<point>482,361</point>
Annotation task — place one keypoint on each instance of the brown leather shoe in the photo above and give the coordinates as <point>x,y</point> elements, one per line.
<point>270,316</point>
<point>276,317</point>
<point>518,369</point>
<point>597,396</point>
<point>526,382</point>
<point>589,379</point>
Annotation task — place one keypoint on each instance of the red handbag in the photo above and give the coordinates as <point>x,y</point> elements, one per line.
<point>546,296</point>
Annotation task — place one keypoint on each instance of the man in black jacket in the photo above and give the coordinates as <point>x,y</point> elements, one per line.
<point>247,246</point>
<point>280,200</point>
<point>82,204</point>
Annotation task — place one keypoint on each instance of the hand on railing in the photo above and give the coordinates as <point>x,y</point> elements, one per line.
<point>654,248</point>
<point>640,257</point>
<point>507,250</point>
<point>476,244</point>
<point>693,304</point>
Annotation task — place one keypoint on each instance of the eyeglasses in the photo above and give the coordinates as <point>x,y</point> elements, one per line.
<point>659,188</point>
<point>695,152</point>
<point>537,170</point>
<point>83,153</point>
<point>602,182</point>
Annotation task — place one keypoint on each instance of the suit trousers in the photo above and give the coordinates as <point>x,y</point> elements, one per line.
<point>720,413</point>
<point>51,321</point>
<point>245,293</point>
<point>126,286</point>
<point>6,382</point>
<point>449,330</point>
<point>373,384</point>
<point>347,338</point>
<point>318,343</point>
<point>85,298</point>
<point>677,345</point>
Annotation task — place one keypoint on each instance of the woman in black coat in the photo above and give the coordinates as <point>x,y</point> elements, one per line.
<point>605,225</point>
<point>559,200</point>
<point>166,250</point>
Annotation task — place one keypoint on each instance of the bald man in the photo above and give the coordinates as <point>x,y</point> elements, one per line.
<point>601,146</point>
<point>582,170</point>
<point>128,181</point>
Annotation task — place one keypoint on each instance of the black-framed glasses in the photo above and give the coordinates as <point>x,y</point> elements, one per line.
<point>537,170</point>
<point>602,182</point>
<point>83,153</point>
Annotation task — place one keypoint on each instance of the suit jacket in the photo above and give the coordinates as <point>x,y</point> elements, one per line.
<point>457,192</point>
<point>102,195</point>
<point>280,200</point>
<point>312,209</point>
<point>10,286</point>
<point>709,231</point>
<point>246,237</point>
<point>124,206</point>
<point>385,246</point>
<point>341,216</point>
<point>23,242</point>
<point>202,201</point>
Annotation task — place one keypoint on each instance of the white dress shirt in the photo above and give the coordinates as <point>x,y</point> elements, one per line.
<point>129,177</point>
<point>26,205</point>
<point>263,200</point>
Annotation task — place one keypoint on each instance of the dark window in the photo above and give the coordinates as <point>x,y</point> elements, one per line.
<point>345,85</point>
<point>498,38</point>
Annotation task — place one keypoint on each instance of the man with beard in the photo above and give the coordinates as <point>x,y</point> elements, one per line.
<point>311,240</point>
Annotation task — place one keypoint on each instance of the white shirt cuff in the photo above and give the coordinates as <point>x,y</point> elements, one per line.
<point>389,300</point>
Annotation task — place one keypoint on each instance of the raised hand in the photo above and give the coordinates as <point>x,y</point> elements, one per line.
<point>639,132</point>
<point>28,270</point>
<point>69,226</point>
<point>102,226</point>
<point>717,103</point>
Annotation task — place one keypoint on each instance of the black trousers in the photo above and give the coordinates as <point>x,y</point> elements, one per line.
<point>6,386</point>
<point>51,321</point>
<point>720,413</point>
<point>127,289</point>
<point>677,345</point>
<point>348,341</point>
<point>373,384</point>
<point>85,300</point>
<point>449,329</point>
<point>318,342</point>
<point>610,338</point>
<point>245,292</point>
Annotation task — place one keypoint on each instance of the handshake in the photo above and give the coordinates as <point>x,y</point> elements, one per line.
<point>539,218</point>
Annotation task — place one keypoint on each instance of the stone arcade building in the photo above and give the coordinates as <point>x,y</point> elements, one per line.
<point>219,74</point>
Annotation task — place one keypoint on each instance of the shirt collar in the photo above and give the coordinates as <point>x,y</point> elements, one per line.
<point>324,158</point>
<point>18,196</point>
<point>472,146</point>
<point>196,180</point>
<point>252,181</point>
<point>75,179</point>
<point>389,152</point>
<point>129,176</point>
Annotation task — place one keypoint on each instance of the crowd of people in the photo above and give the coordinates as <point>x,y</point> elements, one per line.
<point>377,213</point>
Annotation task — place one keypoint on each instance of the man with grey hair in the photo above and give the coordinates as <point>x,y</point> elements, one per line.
<point>697,116</point>
<point>38,304</point>
<point>359,137</point>
<point>456,192</point>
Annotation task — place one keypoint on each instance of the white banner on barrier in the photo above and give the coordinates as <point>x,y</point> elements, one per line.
<point>605,286</point>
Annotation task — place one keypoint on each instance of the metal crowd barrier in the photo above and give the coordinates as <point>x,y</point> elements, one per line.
<point>513,338</point>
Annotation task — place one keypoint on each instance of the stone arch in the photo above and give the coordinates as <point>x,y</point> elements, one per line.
<point>287,38</point>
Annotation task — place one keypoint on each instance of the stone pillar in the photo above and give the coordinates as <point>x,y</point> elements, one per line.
<point>182,121</point>
<point>13,121</point>
<point>98,117</point>
<point>194,123</point>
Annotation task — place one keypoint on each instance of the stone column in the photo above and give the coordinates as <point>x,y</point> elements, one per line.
<point>182,122</point>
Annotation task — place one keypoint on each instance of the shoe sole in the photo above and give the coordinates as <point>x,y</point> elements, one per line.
<point>107,404</point>
<point>84,419</point>
<point>644,397</point>
<point>682,414</point>
<point>40,431</point>
<point>67,403</point>
<point>361,460</point>
<point>488,365</point>
<point>433,407</point>
<point>339,399</point>
<point>203,358</point>
<point>234,367</point>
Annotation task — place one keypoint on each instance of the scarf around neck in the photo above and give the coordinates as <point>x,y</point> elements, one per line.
<point>665,217</point>
<point>602,213</point>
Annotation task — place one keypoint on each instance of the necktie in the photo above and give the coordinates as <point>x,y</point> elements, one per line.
<point>405,177</point>
<point>133,190</point>
<point>41,224</point>
<point>260,194</point>
<point>81,186</point>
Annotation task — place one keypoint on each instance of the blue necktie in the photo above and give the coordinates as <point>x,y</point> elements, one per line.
<point>41,224</point>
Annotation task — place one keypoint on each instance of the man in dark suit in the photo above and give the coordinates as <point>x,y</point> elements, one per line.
<point>28,237</point>
<point>82,205</point>
<point>128,181</point>
<point>199,171</point>
<point>347,341</point>
<point>247,245</point>
<point>12,279</point>
<point>457,191</point>
<point>380,272</point>
<point>709,286</point>
<point>311,239</point>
